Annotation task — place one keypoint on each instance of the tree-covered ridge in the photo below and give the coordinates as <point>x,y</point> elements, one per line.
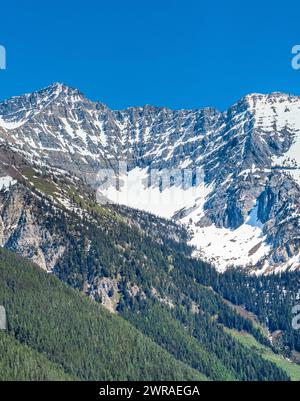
<point>270,298</point>
<point>71,331</point>
<point>160,268</point>
<point>90,343</point>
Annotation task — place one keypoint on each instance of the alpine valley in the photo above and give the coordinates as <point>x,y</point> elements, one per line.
<point>147,243</point>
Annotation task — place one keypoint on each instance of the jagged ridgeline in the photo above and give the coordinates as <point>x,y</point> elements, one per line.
<point>248,200</point>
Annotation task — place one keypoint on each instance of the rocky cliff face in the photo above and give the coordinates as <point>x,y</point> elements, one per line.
<point>24,228</point>
<point>243,210</point>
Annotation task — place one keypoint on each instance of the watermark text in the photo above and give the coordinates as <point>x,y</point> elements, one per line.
<point>2,58</point>
<point>296,58</point>
<point>3,320</point>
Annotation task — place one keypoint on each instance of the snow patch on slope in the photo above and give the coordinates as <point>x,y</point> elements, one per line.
<point>223,247</point>
<point>8,125</point>
<point>244,246</point>
<point>6,182</point>
<point>280,114</point>
<point>136,193</point>
<point>276,112</point>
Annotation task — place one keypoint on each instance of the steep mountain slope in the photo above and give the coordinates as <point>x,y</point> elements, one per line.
<point>18,362</point>
<point>232,177</point>
<point>92,344</point>
<point>81,337</point>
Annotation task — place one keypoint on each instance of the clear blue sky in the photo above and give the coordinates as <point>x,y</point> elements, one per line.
<point>175,53</point>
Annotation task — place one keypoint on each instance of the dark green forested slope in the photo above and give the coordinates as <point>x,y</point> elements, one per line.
<point>271,298</point>
<point>20,362</point>
<point>66,329</point>
<point>201,342</point>
<point>161,271</point>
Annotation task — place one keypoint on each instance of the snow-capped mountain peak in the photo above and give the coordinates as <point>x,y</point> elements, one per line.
<point>249,156</point>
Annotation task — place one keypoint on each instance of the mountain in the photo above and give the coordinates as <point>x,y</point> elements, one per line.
<point>137,266</point>
<point>232,178</point>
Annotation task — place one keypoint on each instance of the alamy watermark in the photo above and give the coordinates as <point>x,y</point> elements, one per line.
<point>3,319</point>
<point>141,188</point>
<point>2,58</point>
<point>296,318</point>
<point>296,58</point>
